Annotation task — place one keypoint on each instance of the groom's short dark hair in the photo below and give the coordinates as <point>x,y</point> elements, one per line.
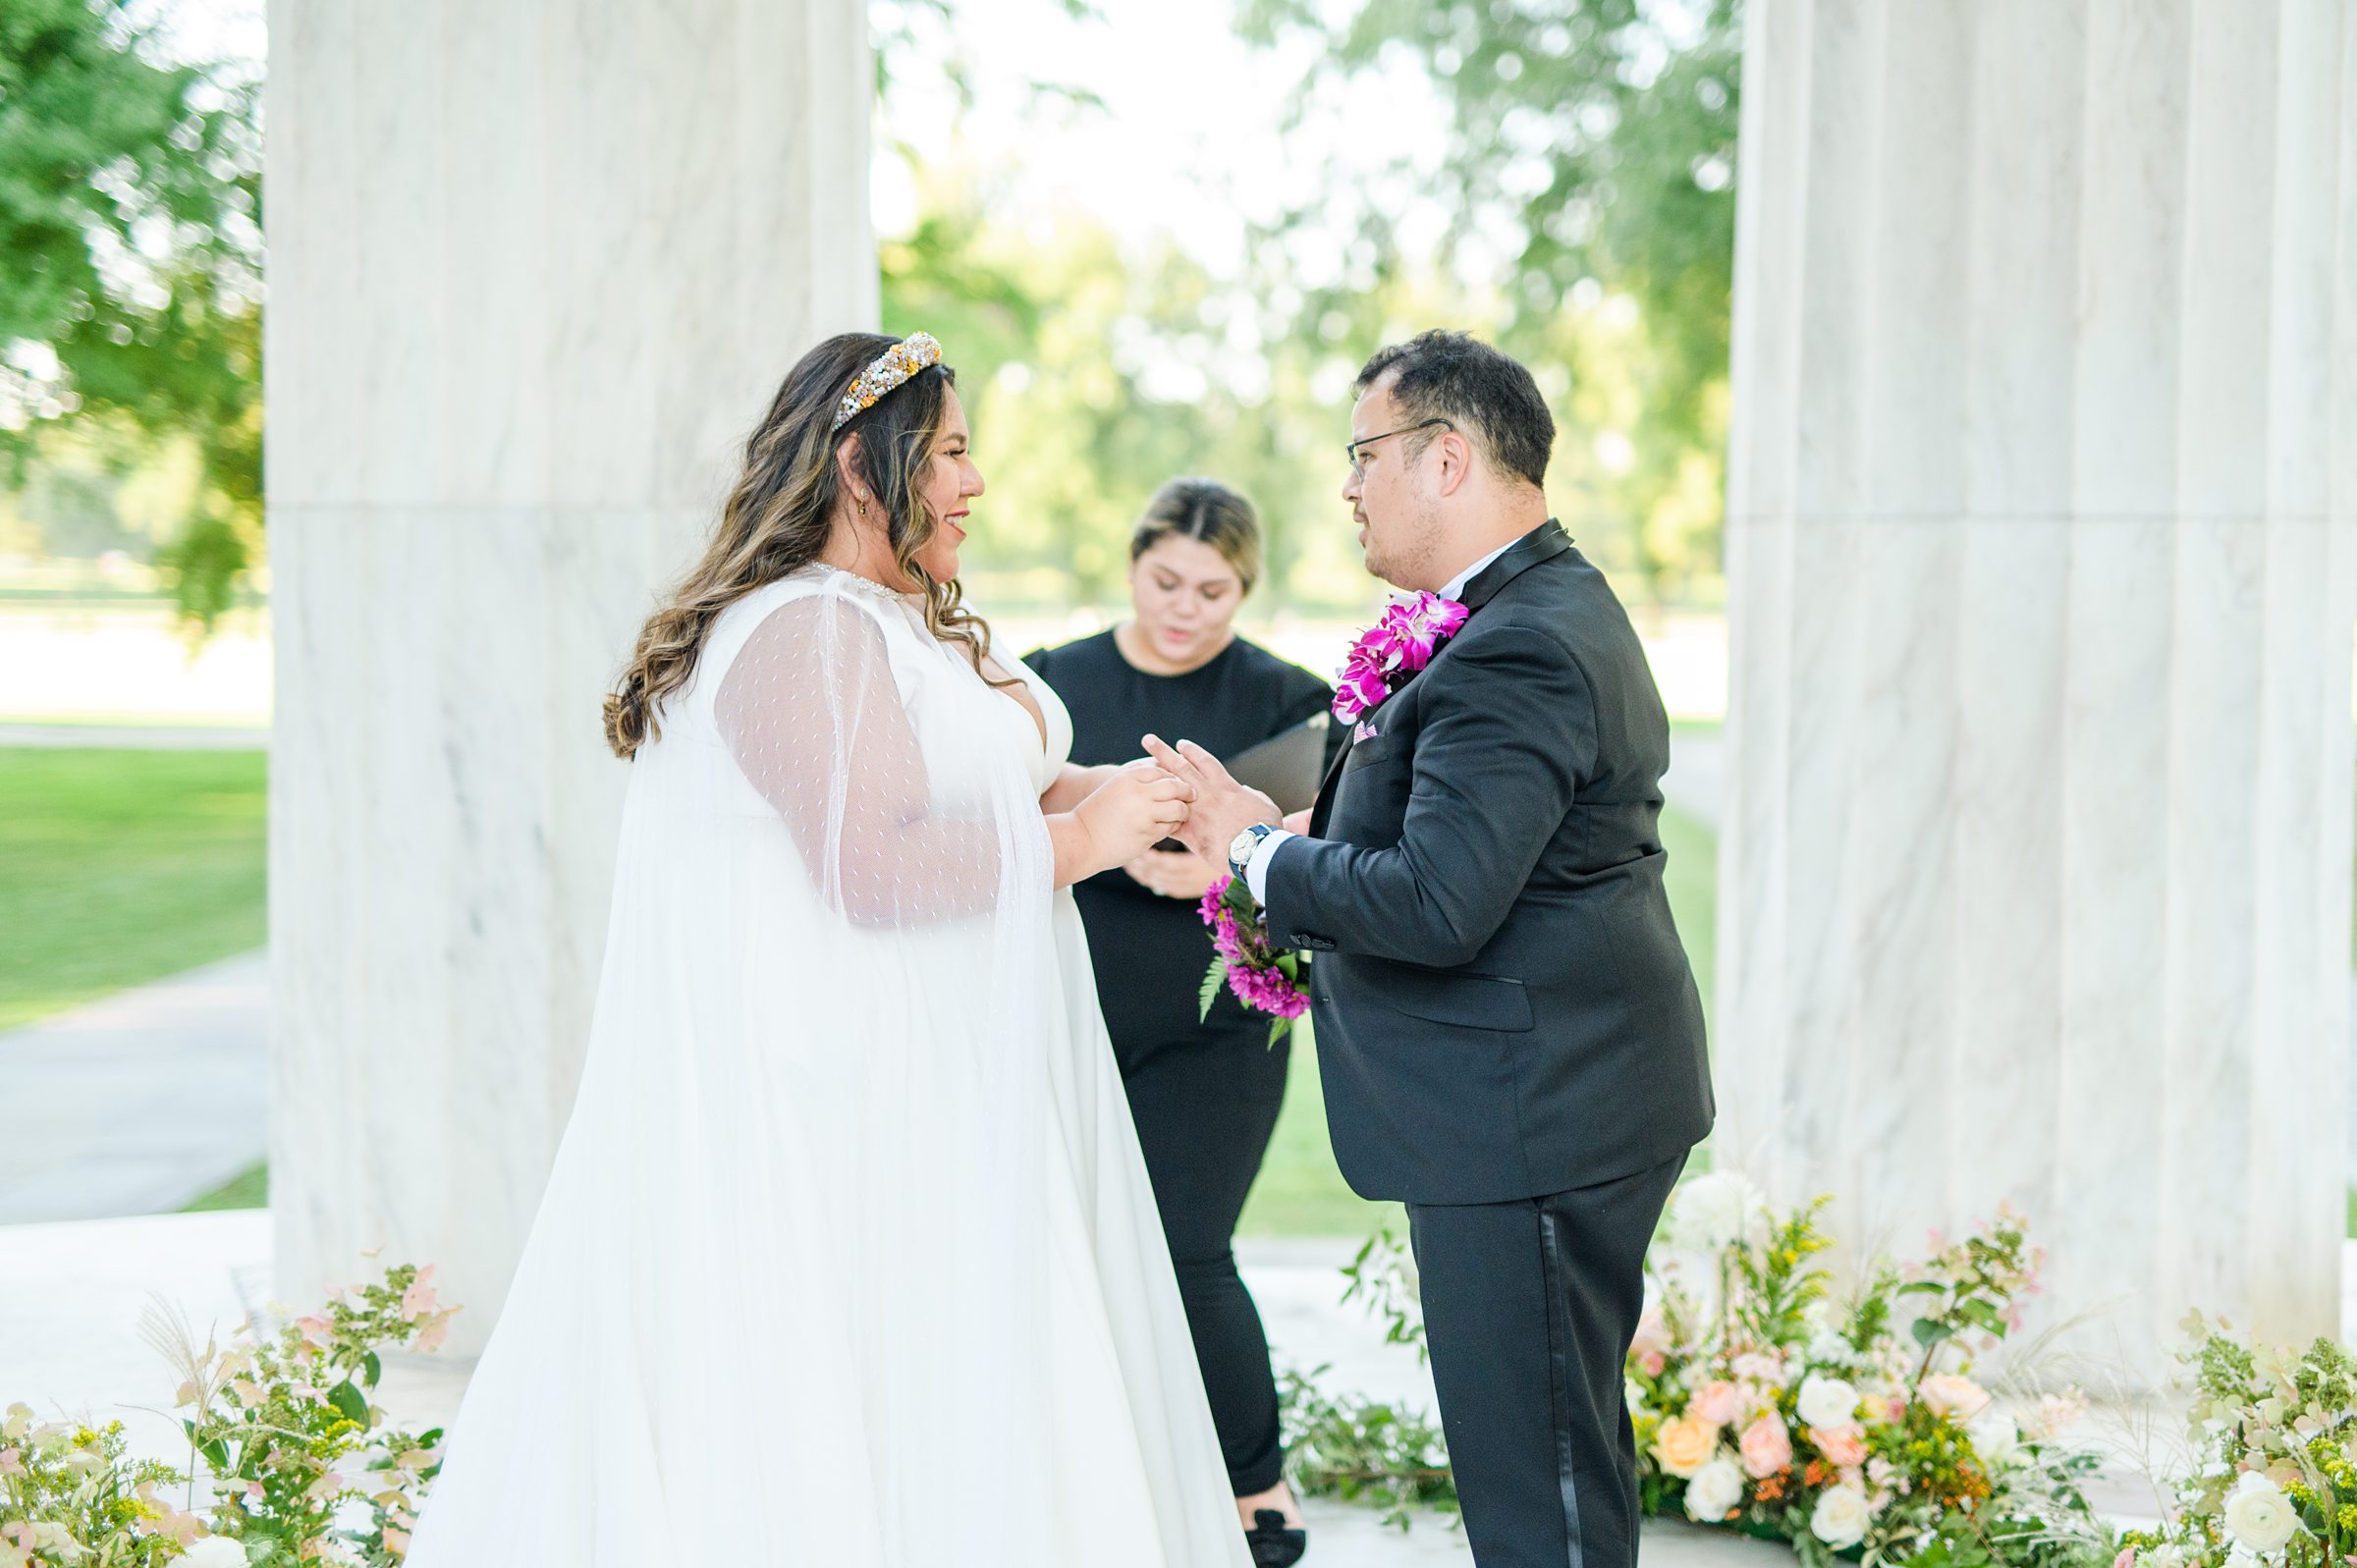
<point>1484,392</point>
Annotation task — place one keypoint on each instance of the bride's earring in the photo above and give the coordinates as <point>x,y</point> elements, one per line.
<point>862,508</point>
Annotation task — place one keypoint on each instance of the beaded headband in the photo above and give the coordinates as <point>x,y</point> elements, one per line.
<point>893,368</point>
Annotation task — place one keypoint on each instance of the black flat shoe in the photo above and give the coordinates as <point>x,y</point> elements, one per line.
<point>1273,1545</point>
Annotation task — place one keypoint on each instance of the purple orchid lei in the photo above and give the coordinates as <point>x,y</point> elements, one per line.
<point>1396,647</point>
<point>1262,979</point>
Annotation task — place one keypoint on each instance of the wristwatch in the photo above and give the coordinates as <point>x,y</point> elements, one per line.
<point>1245,845</point>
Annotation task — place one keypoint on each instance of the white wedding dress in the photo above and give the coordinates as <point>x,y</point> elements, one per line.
<point>849,1258</point>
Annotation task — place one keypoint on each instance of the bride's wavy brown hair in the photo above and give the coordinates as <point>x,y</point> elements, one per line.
<point>778,516</point>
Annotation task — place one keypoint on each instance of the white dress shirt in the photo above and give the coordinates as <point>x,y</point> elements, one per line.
<point>1257,870</point>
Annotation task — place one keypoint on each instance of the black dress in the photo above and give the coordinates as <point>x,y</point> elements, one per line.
<point>1204,1094</point>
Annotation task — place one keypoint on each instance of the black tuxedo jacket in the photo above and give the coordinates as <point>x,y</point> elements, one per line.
<point>1501,1003</point>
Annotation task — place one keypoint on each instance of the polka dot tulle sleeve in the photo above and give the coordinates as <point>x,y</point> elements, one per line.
<point>810,711</point>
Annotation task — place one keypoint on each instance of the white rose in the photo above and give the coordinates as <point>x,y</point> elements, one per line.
<point>2161,1557</point>
<point>214,1551</point>
<point>1996,1438</point>
<point>1840,1517</point>
<point>1715,1489</point>
<point>2258,1514</point>
<point>1714,1210</point>
<point>1827,1401</point>
<point>1830,1349</point>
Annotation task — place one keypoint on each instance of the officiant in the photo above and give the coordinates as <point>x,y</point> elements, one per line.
<point>1204,1092</point>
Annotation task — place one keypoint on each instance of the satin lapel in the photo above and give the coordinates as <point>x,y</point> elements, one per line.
<point>1323,807</point>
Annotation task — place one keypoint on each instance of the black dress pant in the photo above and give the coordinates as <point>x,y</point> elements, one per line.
<point>1205,1109</point>
<point>1530,1307</point>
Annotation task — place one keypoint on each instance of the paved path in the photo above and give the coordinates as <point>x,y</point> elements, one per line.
<point>139,1102</point>
<point>139,738</point>
<point>71,1298</point>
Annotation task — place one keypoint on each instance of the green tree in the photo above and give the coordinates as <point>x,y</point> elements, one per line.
<point>1599,136</point>
<point>1092,375</point>
<point>130,214</point>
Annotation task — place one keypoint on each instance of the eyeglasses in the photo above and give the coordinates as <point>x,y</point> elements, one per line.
<point>1354,451</point>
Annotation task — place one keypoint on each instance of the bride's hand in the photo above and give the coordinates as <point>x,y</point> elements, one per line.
<point>1170,873</point>
<point>1136,807</point>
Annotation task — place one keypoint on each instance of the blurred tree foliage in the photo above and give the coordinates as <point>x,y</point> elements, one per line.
<point>1094,374</point>
<point>1583,202</point>
<point>1091,376</point>
<point>129,213</point>
<point>1588,140</point>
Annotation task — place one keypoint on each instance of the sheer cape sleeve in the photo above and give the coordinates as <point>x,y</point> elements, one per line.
<point>813,716</point>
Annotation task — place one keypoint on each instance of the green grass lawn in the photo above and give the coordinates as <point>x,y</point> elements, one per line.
<point>121,867</point>
<point>1299,1193</point>
<point>248,1189</point>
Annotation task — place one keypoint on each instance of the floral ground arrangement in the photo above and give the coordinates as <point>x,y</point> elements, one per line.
<point>1845,1427</point>
<point>288,1462</point>
<point>1850,1426</point>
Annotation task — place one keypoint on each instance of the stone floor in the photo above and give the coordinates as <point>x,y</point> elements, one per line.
<point>72,1296</point>
<point>141,1102</point>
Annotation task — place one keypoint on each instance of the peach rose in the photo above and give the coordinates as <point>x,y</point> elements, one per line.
<point>1651,1363</point>
<point>1958,1399</point>
<point>1845,1446</point>
<point>1718,1403</point>
<point>1685,1445</point>
<point>1767,1446</point>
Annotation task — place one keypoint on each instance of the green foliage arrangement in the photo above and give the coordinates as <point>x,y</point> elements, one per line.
<point>1846,1426</point>
<point>290,1462</point>
<point>1842,1426</point>
<point>2273,1446</point>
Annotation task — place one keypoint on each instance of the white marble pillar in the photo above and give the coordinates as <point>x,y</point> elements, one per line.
<point>535,269</point>
<point>2043,543</point>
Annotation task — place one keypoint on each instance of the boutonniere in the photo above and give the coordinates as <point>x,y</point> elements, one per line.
<point>1396,647</point>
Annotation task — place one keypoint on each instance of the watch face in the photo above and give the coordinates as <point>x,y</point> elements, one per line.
<point>1240,848</point>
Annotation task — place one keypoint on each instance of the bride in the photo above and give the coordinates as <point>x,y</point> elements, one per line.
<point>849,1256</point>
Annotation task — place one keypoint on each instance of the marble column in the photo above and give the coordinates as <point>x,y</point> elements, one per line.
<point>535,269</point>
<point>2042,535</point>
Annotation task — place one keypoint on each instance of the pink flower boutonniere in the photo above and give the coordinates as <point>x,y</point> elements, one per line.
<point>1396,647</point>
<point>1262,979</point>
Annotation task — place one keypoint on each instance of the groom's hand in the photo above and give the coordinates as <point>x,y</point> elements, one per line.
<point>1222,808</point>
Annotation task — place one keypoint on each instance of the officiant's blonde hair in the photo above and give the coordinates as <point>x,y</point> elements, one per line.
<point>780,511</point>
<point>1206,509</point>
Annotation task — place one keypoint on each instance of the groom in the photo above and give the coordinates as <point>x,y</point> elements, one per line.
<point>1508,1036</point>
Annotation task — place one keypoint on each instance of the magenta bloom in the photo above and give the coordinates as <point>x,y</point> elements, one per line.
<point>1401,643</point>
<point>1360,686</point>
<point>1262,978</point>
